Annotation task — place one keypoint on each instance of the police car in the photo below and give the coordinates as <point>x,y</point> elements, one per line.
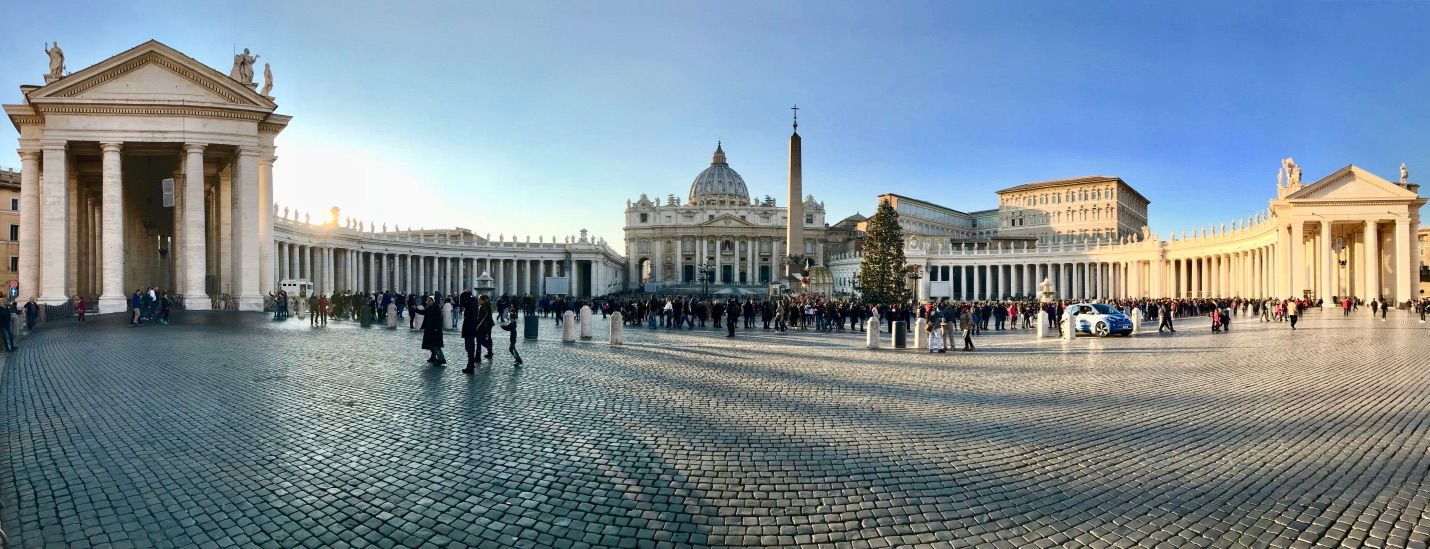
<point>1098,319</point>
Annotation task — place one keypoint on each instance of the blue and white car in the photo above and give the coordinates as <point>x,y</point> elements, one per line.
<point>1097,319</point>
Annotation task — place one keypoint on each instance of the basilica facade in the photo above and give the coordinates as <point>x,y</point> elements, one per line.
<point>718,229</point>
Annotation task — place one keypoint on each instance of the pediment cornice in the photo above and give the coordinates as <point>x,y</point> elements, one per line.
<point>229,93</point>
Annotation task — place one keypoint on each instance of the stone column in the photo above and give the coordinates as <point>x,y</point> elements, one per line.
<point>247,246</point>
<point>1297,247</point>
<point>1372,260</point>
<point>1404,262</point>
<point>432,268</point>
<point>195,294</point>
<point>719,264</point>
<point>265,221</point>
<point>30,221</point>
<point>1326,256</point>
<point>540,278</point>
<point>54,226</point>
<point>112,294</point>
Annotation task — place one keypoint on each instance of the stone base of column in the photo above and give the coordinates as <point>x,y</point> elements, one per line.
<point>250,302</point>
<point>112,304</point>
<point>200,302</point>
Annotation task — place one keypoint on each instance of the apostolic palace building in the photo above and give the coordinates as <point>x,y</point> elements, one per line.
<point>151,169</point>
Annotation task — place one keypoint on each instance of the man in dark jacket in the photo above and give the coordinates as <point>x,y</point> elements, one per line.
<point>476,325</point>
<point>732,311</point>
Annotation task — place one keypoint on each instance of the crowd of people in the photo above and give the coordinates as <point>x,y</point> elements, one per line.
<point>477,315</point>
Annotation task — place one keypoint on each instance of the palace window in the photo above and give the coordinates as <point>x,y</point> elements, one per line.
<point>15,204</point>
<point>808,219</point>
<point>14,233</point>
<point>645,218</point>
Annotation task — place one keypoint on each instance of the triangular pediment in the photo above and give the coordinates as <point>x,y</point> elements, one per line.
<point>726,220</point>
<point>1352,184</point>
<point>151,74</point>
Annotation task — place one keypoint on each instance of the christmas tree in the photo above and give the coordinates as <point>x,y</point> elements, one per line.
<point>881,274</point>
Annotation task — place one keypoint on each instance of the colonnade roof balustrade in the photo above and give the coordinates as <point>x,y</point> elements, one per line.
<point>433,241</point>
<point>1207,240</point>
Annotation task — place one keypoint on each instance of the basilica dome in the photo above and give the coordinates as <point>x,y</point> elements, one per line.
<point>719,183</point>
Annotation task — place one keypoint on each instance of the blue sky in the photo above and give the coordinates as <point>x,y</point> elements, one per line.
<point>544,118</point>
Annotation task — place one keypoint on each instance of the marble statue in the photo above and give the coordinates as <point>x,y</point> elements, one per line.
<point>1293,172</point>
<point>243,67</point>
<point>334,212</point>
<point>267,80</point>
<point>1280,176</point>
<point>384,227</point>
<point>308,218</point>
<point>57,62</point>
<point>1404,175</point>
<point>285,212</point>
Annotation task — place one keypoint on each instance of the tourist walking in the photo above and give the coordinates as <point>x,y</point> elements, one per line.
<point>432,331</point>
<point>965,320</point>
<point>1293,310</point>
<point>5,314</point>
<point>79,309</point>
<point>136,304</point>
<point>477,330</point>
<point>1164,318</point>
<point>732,315</point>
<point>509,324</point>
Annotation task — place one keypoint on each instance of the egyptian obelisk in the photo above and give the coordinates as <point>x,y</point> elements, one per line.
<point>794,222</point>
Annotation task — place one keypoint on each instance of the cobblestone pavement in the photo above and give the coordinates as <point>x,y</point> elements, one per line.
<point>228,429</point>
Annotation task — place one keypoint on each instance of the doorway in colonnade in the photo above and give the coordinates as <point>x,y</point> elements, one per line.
<point>151,248</point>
<point>687,273</point>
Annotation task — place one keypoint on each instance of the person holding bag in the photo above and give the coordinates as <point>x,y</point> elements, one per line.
<point>432,331</point>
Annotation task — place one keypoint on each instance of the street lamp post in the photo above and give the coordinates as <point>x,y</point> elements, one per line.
<point>706,272</point>
<point>914,275</point>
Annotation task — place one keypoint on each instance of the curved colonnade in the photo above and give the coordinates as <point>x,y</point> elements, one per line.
<point>339,259</point>
<point>1350,234</point>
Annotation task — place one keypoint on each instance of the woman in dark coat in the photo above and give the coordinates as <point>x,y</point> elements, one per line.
<point>432,330</point>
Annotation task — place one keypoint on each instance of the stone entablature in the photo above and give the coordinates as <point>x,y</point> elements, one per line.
<point>1352,229</point>
<point>339,258</point>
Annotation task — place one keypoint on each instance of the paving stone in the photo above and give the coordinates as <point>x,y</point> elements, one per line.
<point>229,429</point>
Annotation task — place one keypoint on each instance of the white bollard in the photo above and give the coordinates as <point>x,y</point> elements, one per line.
<point>1136,320</point>
<point>618,329</point>
<point>586,328</point>
<point>446,316</point>
<point>392,316</point>
<point>1042,324</point>
<point>920,337</point>
<point>871,333</point>
<point>1068,333</point>
<point>568,326</point>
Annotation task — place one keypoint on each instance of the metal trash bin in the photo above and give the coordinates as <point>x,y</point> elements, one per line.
<point>532,321</point>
